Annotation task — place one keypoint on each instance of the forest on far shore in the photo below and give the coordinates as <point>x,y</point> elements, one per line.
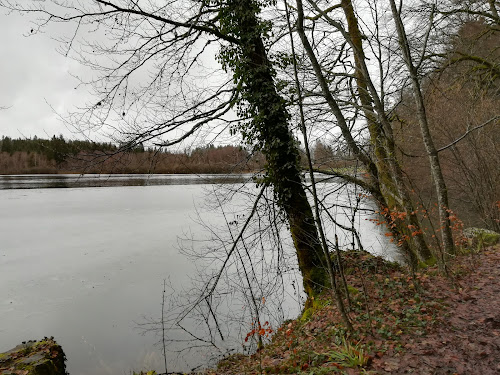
<point>59,155</point>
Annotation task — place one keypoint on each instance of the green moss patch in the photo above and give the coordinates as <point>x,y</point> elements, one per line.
<point>44,357</point>
<point>478,238</point>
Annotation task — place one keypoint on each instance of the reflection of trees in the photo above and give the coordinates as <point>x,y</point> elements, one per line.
<point>247,272</point>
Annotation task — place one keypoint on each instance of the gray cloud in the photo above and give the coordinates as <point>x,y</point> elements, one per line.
<point>33,78</point>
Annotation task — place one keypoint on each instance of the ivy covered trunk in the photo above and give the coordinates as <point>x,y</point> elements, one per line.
<point>269,131</point>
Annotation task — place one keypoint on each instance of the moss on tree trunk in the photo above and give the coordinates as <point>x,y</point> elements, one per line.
<point>269,131</point>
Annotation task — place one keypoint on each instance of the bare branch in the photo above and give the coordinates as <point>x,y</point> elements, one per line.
<point>467,132</point>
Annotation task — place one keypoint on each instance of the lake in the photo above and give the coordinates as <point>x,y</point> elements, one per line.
<point>84,258</point>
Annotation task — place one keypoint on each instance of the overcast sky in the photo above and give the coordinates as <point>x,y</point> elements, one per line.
<point>33,78</point>
<point>38,84</point>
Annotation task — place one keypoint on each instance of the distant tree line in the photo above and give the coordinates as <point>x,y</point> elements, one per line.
<point>57,149</point>
<point>59,155</point>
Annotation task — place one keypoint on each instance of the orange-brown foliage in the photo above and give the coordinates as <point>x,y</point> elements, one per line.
<point>462,96</point>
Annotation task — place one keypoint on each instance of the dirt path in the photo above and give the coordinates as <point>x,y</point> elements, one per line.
<point>427,325</point>
<point>467,339</point>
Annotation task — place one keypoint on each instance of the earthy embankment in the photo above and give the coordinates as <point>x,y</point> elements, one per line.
<point>427,325</point>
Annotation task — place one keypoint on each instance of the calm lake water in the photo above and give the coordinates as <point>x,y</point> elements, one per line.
<point>86,264</point>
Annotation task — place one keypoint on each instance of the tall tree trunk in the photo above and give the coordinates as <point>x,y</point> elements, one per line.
<point>437,174</point>
<point>319,223</point>
<point>270,128</point>
<point>389,189</point>
<point>493,9</point>
<point>380,128</point>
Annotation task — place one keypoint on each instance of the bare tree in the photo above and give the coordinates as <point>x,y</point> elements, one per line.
<point>147,66</point>
<point>435,165</point>
<point>386,183</point>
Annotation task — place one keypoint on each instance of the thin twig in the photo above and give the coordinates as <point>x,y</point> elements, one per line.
<point>163,326</point>
<point>467,132</point>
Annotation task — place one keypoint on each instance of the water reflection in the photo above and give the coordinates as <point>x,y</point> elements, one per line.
<point>87,265</point>
<point>43,181</point>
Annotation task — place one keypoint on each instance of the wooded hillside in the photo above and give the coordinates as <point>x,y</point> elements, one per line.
<point>462,98</point>
<point>57,155</point>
